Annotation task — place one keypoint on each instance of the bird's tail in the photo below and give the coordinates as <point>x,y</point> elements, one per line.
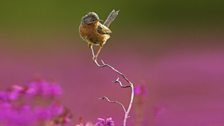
<point>110,18</point>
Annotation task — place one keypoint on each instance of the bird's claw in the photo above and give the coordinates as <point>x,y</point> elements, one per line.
<point>94,58</point>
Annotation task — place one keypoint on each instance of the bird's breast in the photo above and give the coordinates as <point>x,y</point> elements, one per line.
<point>90,34</point>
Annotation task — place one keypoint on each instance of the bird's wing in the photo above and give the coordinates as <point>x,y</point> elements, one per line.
<point>103,29</point>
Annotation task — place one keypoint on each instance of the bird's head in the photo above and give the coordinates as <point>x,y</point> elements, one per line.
<point>90,18</point>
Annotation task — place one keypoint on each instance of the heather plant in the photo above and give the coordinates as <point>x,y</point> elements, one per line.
<point>38,104</point>
<point>35,104</point>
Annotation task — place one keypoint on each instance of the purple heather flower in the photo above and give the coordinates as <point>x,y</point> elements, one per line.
<point>55,89</point>
<point>48,112</point>
<point>15,92</point>
<point>105,122</point>
<point>42,113</point>
<point>3,96</point>
<point>33,89</point>
<point>44,88</point>
<point>12,94</point>
<point>4,109</point>
<point>16,109</point>
<point>22,116</point>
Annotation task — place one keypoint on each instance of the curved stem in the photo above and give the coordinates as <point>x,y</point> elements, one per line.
<point>131,85</point>
<point>129,106</point>
<point>116,102</point>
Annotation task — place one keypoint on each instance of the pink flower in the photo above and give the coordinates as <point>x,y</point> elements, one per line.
<point>44,88</point>
<point>33,105</point>
<point>105,122</point>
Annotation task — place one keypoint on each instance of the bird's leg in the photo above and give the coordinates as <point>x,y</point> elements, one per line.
<point>98,52</point>
<point>92,50</point>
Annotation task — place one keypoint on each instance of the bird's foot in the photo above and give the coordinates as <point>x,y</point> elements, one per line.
<point>94,58</point>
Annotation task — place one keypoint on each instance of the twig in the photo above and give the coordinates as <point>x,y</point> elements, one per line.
<point>131,85</point>
<point>120,83</point>
<point>116,102</point>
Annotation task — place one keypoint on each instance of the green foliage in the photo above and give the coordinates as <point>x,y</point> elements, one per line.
<point>67,13</point>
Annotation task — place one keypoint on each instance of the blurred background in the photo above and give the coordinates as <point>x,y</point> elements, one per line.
<point>173,49</point>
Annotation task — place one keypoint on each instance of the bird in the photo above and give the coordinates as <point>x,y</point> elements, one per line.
<point>94,32</point>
